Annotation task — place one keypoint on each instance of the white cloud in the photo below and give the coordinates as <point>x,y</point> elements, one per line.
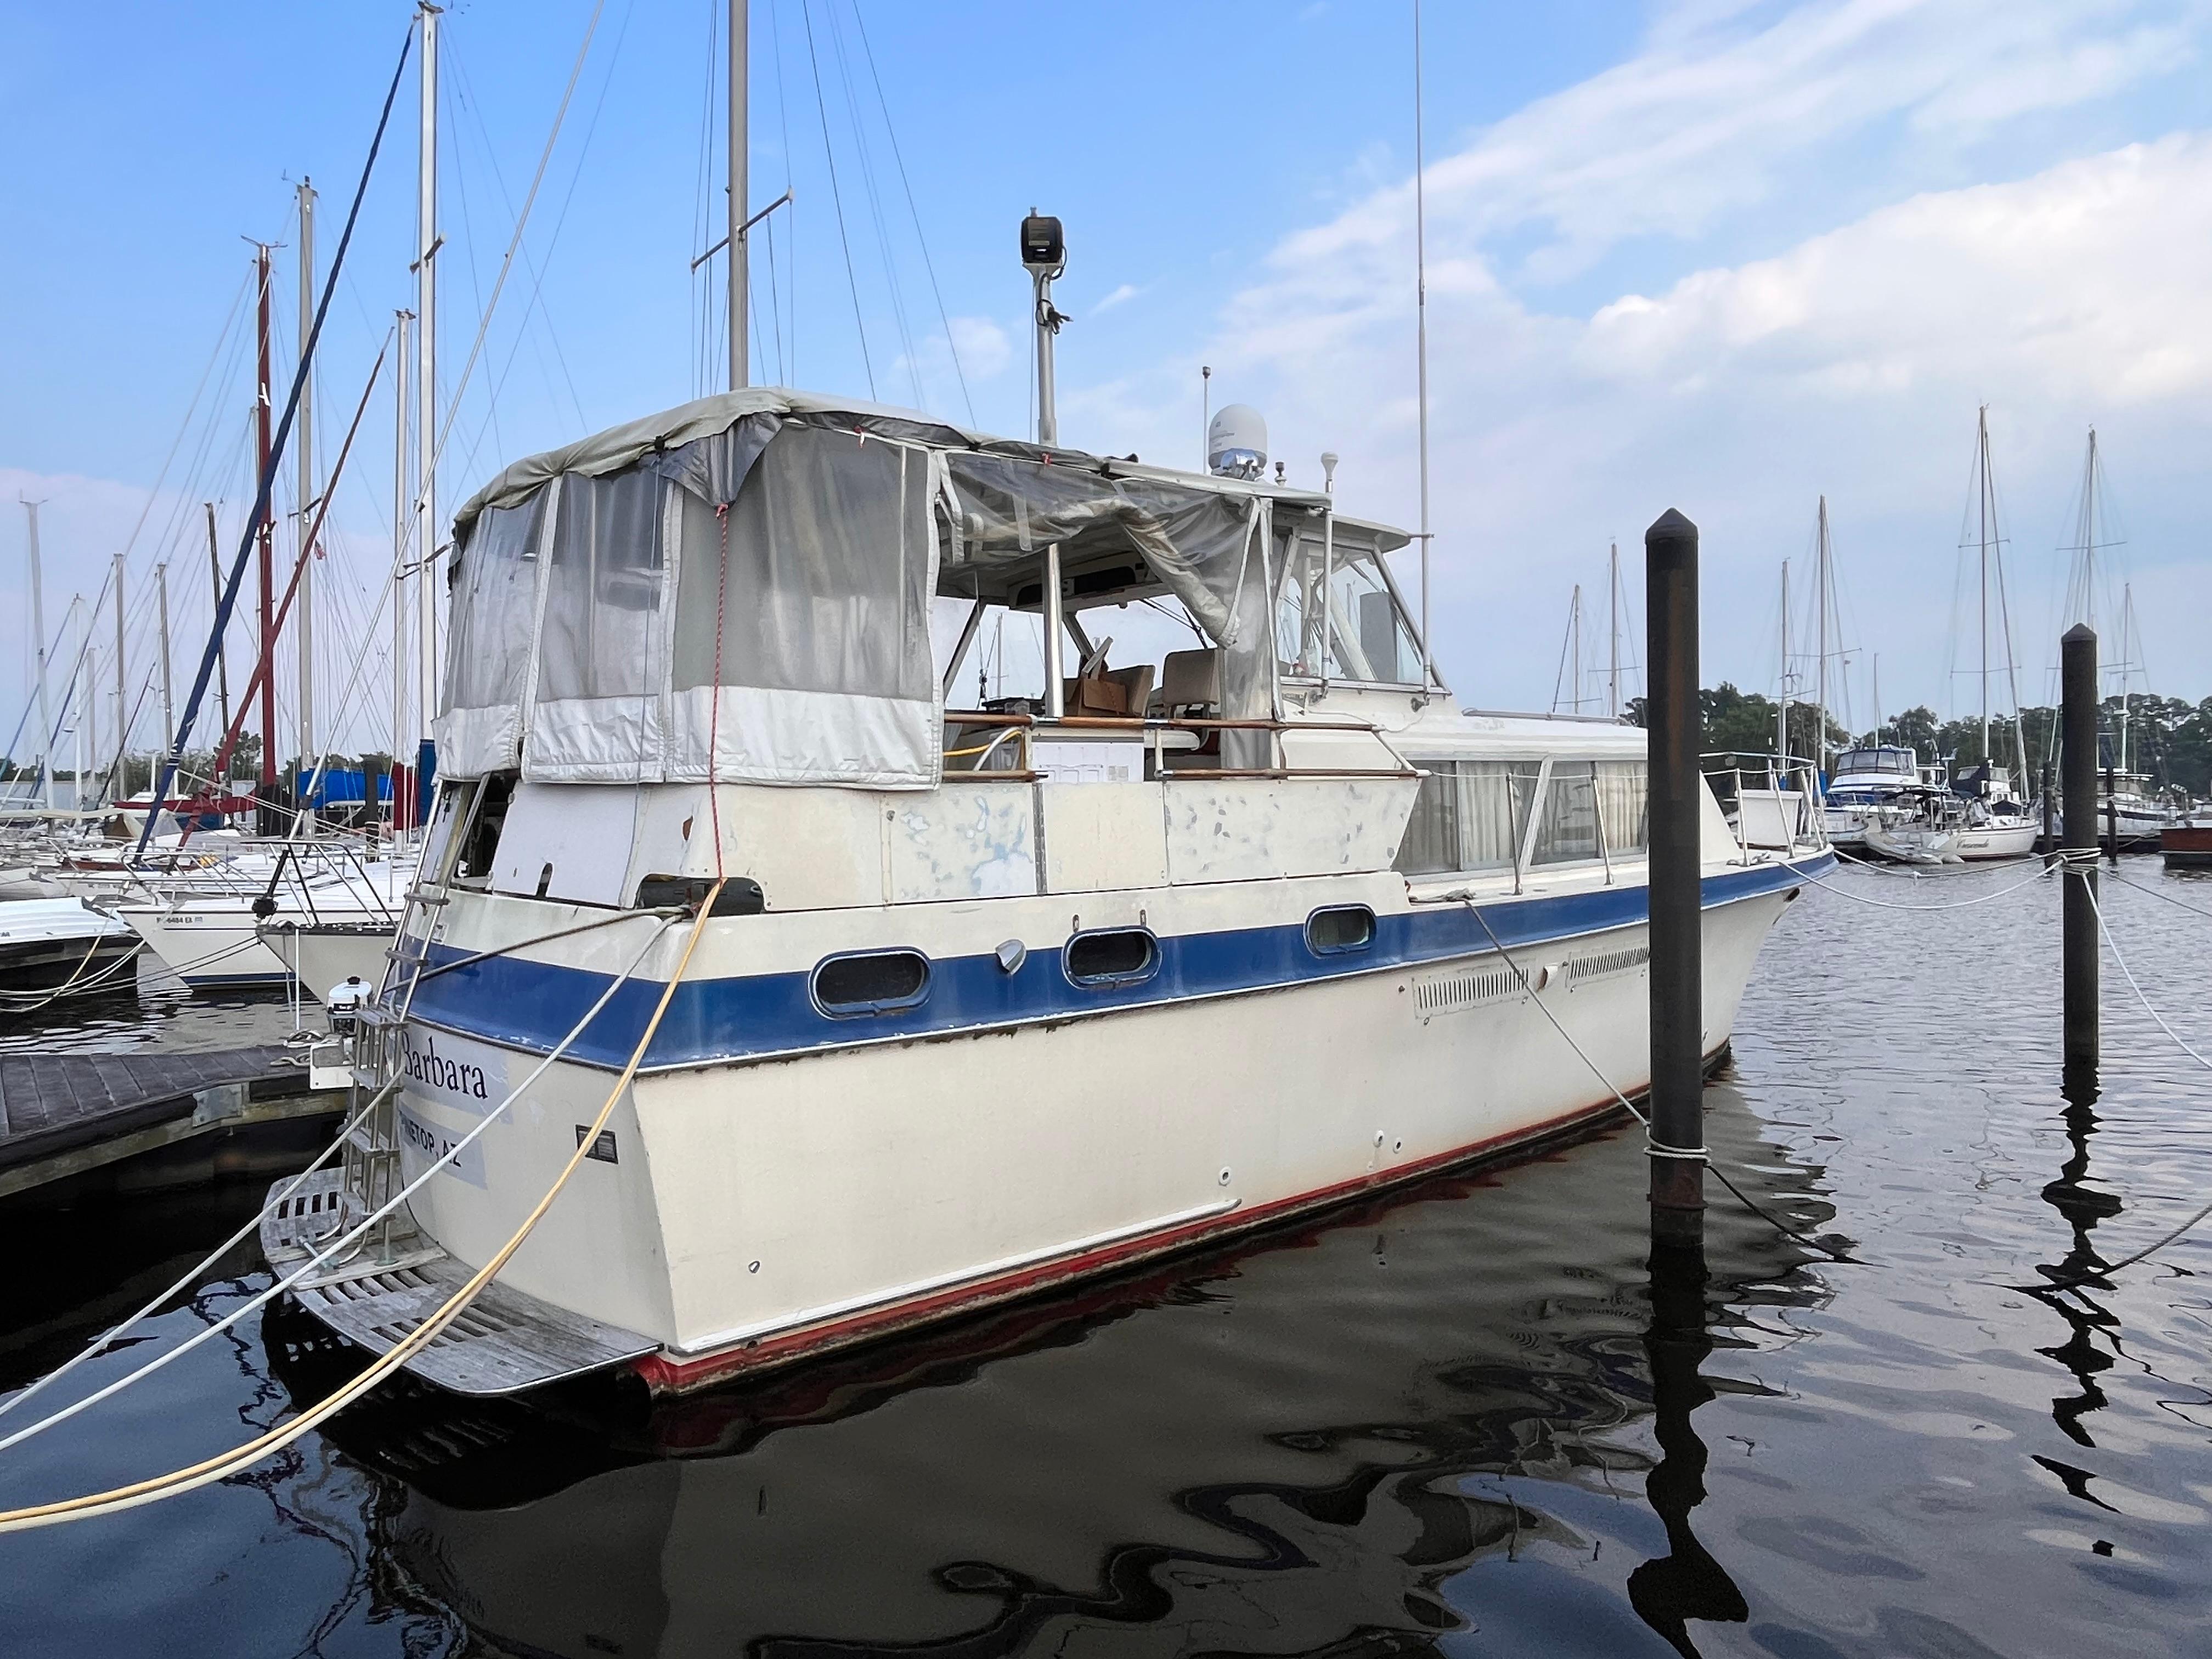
<point>1850,363</point>
<point>1127,291</point>
<point>985,350</point>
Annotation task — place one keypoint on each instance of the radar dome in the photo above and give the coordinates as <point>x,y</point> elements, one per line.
<point>1236,442</point>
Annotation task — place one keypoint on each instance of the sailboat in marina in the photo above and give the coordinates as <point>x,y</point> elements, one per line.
<point>2000,823</point>
<point>2129,808</point>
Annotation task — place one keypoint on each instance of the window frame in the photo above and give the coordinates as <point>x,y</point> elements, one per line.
<point>1366,943</point>
<point>870,1009</point>
<point>1110,982</point>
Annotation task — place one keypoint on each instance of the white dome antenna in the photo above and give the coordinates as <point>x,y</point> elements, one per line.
<point>1236,442</point>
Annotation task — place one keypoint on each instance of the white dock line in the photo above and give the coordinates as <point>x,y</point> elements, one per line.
<point>225,1464</point>
<point>337,1245</point>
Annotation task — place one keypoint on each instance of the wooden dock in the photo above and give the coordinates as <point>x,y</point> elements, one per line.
<point>68,1116</point>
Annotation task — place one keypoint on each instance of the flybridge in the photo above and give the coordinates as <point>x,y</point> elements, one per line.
<point>739,589</point>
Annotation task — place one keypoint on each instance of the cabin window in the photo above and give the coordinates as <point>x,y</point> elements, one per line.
<point>1470,815</point>
<point>1113,955</point>
<point>871,983</point>
<point>1340,929</point>
<point>1623,799</point>
<point>1567,832</point>
<point>1431,842</point>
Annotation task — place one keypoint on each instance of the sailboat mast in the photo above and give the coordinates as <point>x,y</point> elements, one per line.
<point>161,621</point>
<point>221,656</point>
<point>426,377</point>
<point>1820,671</point>
<point>399,526</point>
<point>264,531</point>
<point>740,184</point>
<point>38,642</point>
<point>304,436</point>
<point>1782,719</point>
<point>122,698</point>
<point>1982,504</point>
<point>1421,335</point>
<point>1612,604</point>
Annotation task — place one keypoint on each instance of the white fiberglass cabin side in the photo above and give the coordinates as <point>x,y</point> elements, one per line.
<point>1177,937</point>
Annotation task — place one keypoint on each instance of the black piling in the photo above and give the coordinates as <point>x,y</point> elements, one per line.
<point>2112,816</point>
<point>1678,1074</point>
<point>2049,847</point>
<point>2078,750</point>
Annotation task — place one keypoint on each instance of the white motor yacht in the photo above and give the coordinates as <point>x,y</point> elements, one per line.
<point>993,997</point>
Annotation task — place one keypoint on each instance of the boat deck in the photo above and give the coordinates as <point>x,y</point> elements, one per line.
<point>66,1115</point>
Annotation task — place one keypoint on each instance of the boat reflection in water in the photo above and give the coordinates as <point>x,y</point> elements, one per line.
<point>1434,1410</point>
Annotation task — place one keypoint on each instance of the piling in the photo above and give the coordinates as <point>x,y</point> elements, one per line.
<point>1678,1077</point>
<point>2049,796</point>
<point>2112,815</point>
<point>2078,750</point>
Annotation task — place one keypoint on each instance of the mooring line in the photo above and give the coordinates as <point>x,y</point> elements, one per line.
<point>223,1465</point>
<point>1700,1154</point>
<point>2115,875</point>
<point>352,1236</point>
<point>1958,904</point>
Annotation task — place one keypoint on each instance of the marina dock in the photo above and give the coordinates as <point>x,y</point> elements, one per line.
<point>64,1117</point>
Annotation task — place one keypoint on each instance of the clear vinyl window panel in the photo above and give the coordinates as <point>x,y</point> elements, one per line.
<point>494,607</point>
<point>825,586</point>
<point>1336,618</point>
<point>1567,831</point>
<point>602,634</point>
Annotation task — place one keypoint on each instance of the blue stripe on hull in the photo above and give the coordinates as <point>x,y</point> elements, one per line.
<point>531,1006</point>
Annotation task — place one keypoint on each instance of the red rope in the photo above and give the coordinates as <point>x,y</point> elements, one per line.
<point>715,708</point>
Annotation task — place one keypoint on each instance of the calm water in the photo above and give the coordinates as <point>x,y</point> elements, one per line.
<point>1465,1419</point>
<point>154,1011</point>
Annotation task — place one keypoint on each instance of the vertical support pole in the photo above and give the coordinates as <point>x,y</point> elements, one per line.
<point>1677,1102</point>
<point>2078,754</point>
<point>264,534</point>
<point>2050,798</point>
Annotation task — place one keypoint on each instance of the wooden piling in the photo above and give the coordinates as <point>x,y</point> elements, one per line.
<point>2112,815</point>
<point>2078,717</point>
<point>1678,1079</point>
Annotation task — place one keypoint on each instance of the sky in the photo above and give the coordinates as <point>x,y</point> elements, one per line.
<point>1726,256</point>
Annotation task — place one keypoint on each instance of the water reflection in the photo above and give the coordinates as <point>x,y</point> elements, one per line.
<point>1440,1411</point>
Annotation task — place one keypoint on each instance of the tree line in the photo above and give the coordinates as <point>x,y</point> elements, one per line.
<point>2167,738</point>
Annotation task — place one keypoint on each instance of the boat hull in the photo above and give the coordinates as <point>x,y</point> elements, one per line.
<point>748,1214</point>
<point>2187,847</point>
<point>1979,842</point>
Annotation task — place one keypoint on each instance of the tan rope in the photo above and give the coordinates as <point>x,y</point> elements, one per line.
<point>179,1481</point>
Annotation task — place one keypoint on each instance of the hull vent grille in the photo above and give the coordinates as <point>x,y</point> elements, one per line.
<point>1607,961</point>
<point>1448,992</point>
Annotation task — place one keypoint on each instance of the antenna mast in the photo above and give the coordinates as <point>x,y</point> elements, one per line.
<point>266,530</point>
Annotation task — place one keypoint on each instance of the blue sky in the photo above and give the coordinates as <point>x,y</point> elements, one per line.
<point>1719,255</point>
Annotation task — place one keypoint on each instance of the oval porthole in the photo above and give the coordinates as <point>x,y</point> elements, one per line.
<point>1113,955</point>
<point>1339,928</point>
<point>871,983</point>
